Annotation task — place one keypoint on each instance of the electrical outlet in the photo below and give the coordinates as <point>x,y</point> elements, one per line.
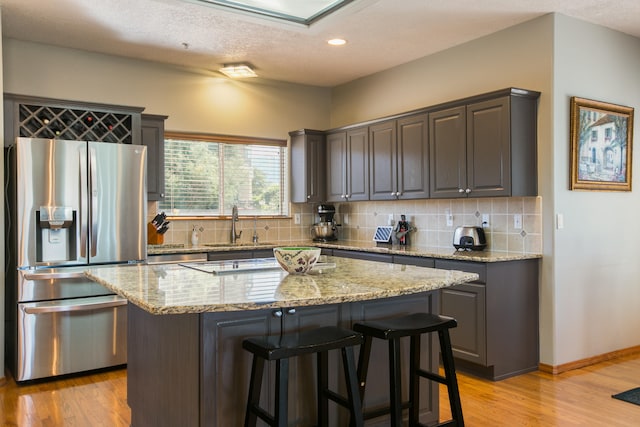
<point>485,220</point>
<point>296,218</point>
<point>517,221</point>
<point>390,220</point>
<point>345,218</point>
<point>449,216</point>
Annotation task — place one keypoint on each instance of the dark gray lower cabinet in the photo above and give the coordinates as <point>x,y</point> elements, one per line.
<point>191,370</point>
<point>497,333</point>
<point>367,256</point>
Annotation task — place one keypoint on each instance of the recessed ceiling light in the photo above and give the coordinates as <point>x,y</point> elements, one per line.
<point>337,42</point>
<point>238,71</point>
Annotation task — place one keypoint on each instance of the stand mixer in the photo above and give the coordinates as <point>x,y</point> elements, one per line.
<point>325,230</point>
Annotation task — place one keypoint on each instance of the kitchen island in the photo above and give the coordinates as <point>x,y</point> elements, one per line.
<point>186,365</point>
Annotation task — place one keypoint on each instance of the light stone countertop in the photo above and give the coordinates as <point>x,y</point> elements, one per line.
<point>173,289</point>
<point>413,250</point>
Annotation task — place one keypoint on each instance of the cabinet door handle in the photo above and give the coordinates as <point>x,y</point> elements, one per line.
<point>468,190</point>
<point>277,313</point>
<point>291,311</point>
<point>460,190</point>
<point>308,197</point>
<point>343,196</point>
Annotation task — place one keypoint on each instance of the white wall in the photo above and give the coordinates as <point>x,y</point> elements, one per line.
<point>521,56</point>
<point>589,300</point>
<point>596,281</point>
<point>194,101</point>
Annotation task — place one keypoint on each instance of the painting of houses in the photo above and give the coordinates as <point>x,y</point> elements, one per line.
<point>600,145</point>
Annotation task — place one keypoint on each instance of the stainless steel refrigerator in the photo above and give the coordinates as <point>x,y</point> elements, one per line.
<point>71,204</point>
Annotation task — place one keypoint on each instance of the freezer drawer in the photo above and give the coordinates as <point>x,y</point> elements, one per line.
<point>68,336</point>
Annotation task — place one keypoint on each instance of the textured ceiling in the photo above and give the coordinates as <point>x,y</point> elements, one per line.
<point>380,33</point>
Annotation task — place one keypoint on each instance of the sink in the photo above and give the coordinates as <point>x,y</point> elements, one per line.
<point>236,245</point>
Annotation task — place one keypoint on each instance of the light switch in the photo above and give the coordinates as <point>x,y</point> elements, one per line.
<point>296,218</point>
<point>559,221</point>
<point>517,221</point>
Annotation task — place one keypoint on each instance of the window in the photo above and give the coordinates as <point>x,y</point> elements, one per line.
<point>205,175</point>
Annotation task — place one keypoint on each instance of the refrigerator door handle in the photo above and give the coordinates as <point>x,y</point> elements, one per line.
<point>93,188</point>
<point>84,208</point>
<point>75,306</point>
<point>50,276</point>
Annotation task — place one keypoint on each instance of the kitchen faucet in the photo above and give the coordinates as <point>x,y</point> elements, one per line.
<point>234,219</point>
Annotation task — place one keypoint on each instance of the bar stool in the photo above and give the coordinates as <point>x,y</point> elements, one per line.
<point>412,325</point>
<point>282,347</point>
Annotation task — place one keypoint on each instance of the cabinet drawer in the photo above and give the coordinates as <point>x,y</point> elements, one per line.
<point>263,253</point>
<point>229,255</point>
<point>367,256</point>
<point>413,260</point>
<point>469,267</point>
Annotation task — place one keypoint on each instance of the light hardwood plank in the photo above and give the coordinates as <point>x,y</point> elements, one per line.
<point>581,397</point>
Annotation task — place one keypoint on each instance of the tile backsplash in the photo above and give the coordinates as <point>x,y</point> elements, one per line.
<point>358,221</point>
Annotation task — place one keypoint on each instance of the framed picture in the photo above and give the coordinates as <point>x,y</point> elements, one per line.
<point>601,137</point>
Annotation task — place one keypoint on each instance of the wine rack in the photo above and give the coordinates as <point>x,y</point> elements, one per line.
<point>42,121</point>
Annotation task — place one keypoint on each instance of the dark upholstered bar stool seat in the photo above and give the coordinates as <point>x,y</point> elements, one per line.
<point>412,325</point>
<point>282,347</point>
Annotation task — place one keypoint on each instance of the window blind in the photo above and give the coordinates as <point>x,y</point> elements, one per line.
<point>204,177</point>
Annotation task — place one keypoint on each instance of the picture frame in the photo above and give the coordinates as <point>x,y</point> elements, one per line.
<point>601,137</point>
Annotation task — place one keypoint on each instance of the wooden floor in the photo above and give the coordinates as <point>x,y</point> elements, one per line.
<point>580,397</point>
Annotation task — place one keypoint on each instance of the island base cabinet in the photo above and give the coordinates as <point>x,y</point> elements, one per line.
<point>226,365</point>
<point>377,384</point>
<point>191,369</point>
<point>163,362</point>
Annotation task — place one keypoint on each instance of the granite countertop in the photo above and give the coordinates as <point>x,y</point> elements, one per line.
<point>413,250</point>
<point>174,289</point>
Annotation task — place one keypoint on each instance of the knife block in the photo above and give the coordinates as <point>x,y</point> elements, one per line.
<point>153,237</point>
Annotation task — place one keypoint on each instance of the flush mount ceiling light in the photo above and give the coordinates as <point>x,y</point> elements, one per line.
<point>337,42</point>
<point>297,11</point>
<point>238,71</point>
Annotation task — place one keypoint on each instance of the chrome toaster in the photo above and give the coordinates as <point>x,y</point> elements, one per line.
<point>469,238</point>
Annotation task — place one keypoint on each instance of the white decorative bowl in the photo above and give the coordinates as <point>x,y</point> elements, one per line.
<point>296,260</point>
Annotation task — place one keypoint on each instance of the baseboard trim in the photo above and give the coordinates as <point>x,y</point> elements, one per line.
<point>558,369</point>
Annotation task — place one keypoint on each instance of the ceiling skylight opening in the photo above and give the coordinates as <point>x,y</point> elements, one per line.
<point>238,71</point>
<point>297,11</point>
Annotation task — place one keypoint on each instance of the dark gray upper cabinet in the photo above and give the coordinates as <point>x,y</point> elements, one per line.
<point>307,166</point>
<point>336,166</point>
<point>348,165</point>
<point>152,127</point>
<point>485,147</point>
<point>399,159</point>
